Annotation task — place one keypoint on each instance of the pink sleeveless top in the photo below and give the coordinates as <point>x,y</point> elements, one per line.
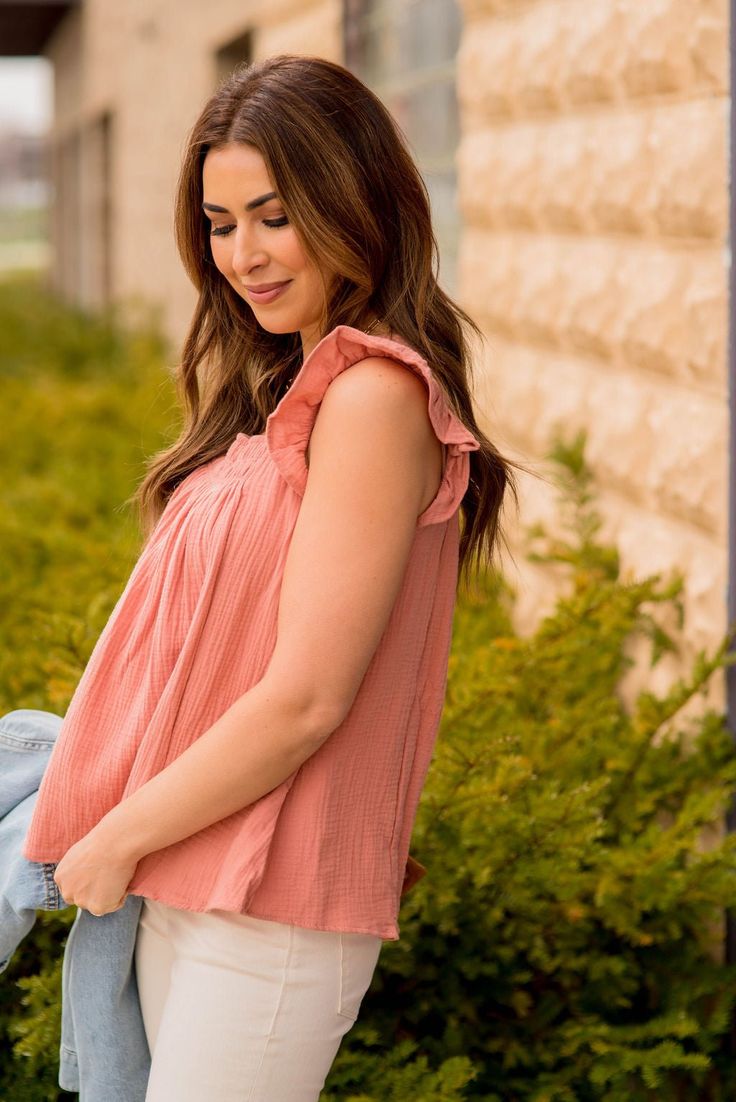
<point>194,629</point>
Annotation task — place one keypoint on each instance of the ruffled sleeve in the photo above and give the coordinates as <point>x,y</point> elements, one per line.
<point>289,426</point>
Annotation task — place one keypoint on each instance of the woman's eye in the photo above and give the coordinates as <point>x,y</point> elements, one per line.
<point>273,223</point>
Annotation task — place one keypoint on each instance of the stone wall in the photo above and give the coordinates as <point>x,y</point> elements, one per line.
<point>594,194</point>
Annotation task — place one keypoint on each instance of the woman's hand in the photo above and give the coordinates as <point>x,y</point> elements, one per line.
<point>93,876</point>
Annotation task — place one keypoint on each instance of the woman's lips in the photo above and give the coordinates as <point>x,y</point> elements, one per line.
<point>267,296</point>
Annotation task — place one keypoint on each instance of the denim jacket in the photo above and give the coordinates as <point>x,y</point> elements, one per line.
<point>103,1042</point>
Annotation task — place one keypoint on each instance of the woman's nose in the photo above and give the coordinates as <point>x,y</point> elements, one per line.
<point>247,255</point>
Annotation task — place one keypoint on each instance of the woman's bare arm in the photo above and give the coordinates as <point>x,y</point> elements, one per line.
<point>373,467</point>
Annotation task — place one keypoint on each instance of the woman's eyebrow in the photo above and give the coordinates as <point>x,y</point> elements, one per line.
<point>248,206</point>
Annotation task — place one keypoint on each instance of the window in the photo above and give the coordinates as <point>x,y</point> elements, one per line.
<point>405,50</point>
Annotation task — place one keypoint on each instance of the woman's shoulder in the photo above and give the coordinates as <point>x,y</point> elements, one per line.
<point>376,384</point>
<point>375,356</point>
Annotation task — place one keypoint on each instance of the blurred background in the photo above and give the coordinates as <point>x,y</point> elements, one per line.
<point>577,157</point>
<point>26,105</point>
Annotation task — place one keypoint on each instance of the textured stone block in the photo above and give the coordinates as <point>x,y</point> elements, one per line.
<point>623,174</point>
<point>691,169</point>
<point>658,40</point>
<point>595,34</point>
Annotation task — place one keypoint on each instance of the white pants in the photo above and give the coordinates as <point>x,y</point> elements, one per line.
<point>241,1009</point>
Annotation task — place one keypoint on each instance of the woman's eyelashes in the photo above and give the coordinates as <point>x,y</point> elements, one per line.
<point>272,223</point>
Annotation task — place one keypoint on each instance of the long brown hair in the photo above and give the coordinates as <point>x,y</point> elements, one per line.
<point>348,183</point>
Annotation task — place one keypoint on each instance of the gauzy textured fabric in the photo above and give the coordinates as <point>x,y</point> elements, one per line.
<point>194,629</point>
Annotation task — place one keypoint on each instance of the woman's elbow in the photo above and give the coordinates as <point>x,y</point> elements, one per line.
<point>309,713</point>
<point>321,717</point>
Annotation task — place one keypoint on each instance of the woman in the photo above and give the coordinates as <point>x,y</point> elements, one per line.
<point>247,745</point>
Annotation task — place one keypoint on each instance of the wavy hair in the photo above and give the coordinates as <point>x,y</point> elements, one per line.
<point>348,183</point>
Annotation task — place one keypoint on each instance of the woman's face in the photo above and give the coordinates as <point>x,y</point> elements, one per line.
<point>257,248</point>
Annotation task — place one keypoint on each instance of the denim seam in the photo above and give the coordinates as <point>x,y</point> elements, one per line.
<point>16,742</point>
